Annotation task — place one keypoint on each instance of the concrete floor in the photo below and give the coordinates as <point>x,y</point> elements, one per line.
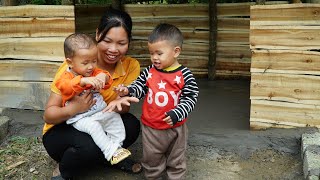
<point>218,125</point>
<point>222,105</point>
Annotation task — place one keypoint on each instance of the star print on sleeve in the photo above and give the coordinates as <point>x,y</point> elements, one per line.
<point>162,85</point>
<point>177,79</point>
<point>149,75</point>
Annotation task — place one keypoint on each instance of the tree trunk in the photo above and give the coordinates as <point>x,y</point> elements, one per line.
<point>212,39</point>
<point>9,2</point>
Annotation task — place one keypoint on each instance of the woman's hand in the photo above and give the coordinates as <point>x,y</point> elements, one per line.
<point>54,112</point>
<point>81,103</point>
<point>116,105</point>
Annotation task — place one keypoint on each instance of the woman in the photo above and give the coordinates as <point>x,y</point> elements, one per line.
<point>75,150</point>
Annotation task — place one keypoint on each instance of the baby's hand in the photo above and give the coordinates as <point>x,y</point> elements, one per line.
<point>168,120</point>
<point>121,90</point>
<point>102,77</point>
<point>95,82</point>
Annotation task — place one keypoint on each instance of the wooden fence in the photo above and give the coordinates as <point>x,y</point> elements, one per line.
<point>285,68</point>
<point>233,51</point>
<point>31,39</point>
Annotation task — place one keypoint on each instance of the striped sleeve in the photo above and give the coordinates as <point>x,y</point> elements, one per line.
<point>138,88</point>
<point>188,98</point>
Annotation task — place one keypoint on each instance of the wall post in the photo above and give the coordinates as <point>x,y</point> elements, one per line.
<point>212,39</point>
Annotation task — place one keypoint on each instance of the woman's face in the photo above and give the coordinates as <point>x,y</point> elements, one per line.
<point>114,46</point>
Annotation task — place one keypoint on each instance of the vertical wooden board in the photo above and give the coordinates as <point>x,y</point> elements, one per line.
<point>301,89</point>
<point>24,95</point>
<point>265,114</point>
<point>286,62</point>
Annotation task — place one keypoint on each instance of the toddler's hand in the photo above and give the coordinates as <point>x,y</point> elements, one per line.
<point>95,82</point>
<point>121,90</point>
<point>102,77</point>
<point>168,120</point>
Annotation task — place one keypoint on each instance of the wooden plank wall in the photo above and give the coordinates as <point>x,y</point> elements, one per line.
<point>233,51</point>
<point>31,50</point>
<point>31,41</point>
<point>285,68</point>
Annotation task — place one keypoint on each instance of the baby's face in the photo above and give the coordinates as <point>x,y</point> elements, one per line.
<point>85,61</point>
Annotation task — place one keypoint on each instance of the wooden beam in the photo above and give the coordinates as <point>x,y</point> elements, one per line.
<point>213,26</point>
<point>298,89</point>
<point>265,114</point>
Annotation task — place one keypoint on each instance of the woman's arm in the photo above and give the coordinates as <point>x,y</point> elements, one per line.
<point>54,112</point>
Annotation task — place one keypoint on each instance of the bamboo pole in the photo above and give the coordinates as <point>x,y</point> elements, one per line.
<point>212,39</point>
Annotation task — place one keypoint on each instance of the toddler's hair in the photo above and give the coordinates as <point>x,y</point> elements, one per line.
<point>167,32</point>
<point>77,41</point>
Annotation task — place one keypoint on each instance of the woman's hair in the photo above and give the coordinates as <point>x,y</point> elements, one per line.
<point>114,18</point>
<point>167,32</point>
<point>77,41</point>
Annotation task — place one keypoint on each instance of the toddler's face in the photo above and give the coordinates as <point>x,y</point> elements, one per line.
<point>164,54</point>
<point>84,61</point>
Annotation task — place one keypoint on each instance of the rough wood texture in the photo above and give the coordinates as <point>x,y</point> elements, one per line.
<point>265,114</point>
<point>232,29</point>
<point>286,62</point>
<point>297,37</point>
<point>285,12</point>
<point>284,71</point>
<point>36,27</point>
<point>301,89</point>
<point>50,48</point>
<point>37,11</point>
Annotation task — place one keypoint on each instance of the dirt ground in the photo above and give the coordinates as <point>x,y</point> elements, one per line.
<point>216,150</point>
